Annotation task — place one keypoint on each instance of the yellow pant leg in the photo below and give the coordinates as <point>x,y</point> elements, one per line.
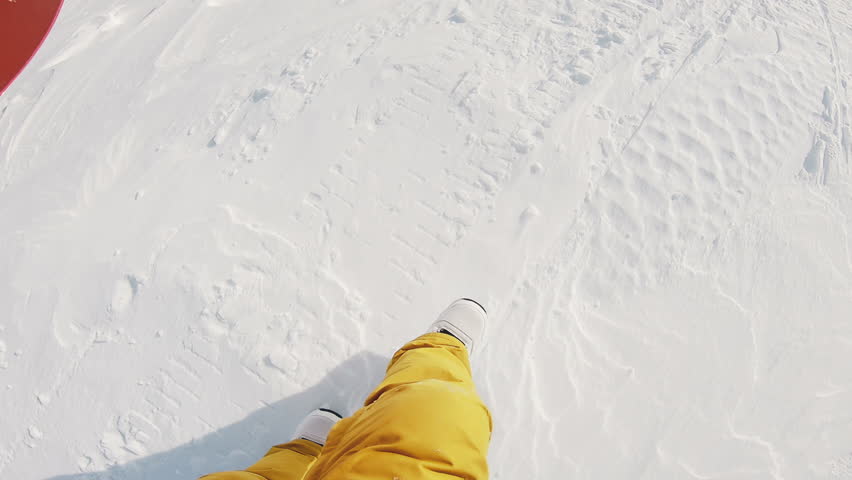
<point>424,422</point>
<point>290,461</point>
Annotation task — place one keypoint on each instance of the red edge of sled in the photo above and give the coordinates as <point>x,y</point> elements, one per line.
<point>24,25</point>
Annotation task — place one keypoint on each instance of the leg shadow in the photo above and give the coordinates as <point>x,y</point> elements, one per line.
<point>239,445</point>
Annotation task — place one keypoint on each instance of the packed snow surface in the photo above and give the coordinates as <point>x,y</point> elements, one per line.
<point>216,215</point>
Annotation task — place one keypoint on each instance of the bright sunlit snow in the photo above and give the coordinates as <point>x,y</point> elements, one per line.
<point>216,215</point>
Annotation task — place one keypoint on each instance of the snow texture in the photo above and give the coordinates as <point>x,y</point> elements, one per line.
<point>216,215</point>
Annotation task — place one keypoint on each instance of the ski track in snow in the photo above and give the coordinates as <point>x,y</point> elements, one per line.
<point>218,215</point>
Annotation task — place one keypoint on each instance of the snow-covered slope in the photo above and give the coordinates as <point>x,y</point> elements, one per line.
<point>216,215</point>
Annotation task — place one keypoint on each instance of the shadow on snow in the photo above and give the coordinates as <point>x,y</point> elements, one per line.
<point>240,444</point>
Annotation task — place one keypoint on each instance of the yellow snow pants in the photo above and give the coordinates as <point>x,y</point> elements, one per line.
<point>424,422</point>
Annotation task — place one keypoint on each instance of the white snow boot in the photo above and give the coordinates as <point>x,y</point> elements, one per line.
<point>316,425</point>
<point>465,320</point>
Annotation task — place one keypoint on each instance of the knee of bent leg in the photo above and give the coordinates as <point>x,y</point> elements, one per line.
<point>240,475</point>
<point>431,425</point>
<point>441,411</point>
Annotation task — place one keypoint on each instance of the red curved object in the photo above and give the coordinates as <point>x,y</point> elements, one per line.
<point>24,25</point>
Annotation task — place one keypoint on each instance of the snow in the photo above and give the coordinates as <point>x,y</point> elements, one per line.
<point>218,215</point>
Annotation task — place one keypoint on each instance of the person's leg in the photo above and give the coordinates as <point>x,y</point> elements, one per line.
<point>424,421</point>
<point>289,461</point>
